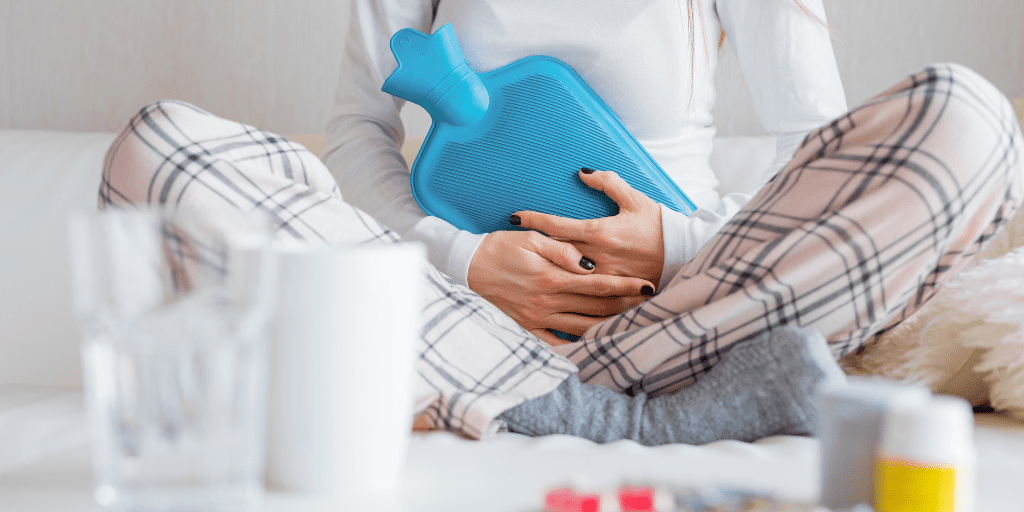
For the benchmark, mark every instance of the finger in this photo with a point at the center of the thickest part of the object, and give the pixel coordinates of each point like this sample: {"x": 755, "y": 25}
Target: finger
{"x": 553, "y": 225}
{"x": 422, "y": 423}
{"x": 599, "y": 306}
{"x": 603, "y": 285}
{"x": 573, "y": 323}
{"x": 547, "y": 337}
{"x": 590, "y": 305}
{"x": 563, "y": 254}
{"x": 616, "y": 188}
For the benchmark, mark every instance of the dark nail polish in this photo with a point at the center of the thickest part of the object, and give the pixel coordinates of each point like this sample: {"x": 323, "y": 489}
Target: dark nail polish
{"x": 514, "y": 220}
{"x": 586, "y": 263}
{"x": 586, "y": 170}
{"x": 647, "y": 291}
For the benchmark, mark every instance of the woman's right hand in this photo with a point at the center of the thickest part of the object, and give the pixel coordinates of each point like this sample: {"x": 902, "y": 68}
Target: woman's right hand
{"x": 543, "y": 283}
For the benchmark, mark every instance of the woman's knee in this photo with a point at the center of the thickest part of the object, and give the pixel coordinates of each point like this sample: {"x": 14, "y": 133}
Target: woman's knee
{"x": 970, "y": 82}
{"x": 967, "y": 98}
{"x": 169, "y": 110}
{"x": 141, "y": 149}
{"x": 978, "y": 135}
{"x": 962, "y": 112}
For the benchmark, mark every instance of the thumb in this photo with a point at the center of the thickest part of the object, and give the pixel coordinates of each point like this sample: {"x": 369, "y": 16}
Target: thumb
{"x": 616, "y": 188}
{"x": 547, "y": 337}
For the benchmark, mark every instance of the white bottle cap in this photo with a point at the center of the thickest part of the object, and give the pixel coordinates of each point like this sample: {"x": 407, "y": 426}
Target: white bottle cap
{"x": 939, "y": 431}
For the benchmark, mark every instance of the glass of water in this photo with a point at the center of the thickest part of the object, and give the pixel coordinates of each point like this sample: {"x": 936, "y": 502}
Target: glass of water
{"x": 173, "y": 312}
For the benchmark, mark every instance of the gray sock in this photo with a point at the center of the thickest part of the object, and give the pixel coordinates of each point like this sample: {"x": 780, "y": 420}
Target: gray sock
{"x": 761, "y": 387}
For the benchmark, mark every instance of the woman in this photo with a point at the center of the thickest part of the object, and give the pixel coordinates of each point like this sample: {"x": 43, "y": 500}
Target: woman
{"x": 847, "y": 238}
{"x": 652, "y": 62}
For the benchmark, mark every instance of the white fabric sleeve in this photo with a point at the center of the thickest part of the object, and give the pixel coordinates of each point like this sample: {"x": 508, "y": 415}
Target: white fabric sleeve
{"x": 364, "y": 135}
{"x": 787, "y": 61}
{"x": 685, "y": 235}
{"x": 786, "y": 58}
{"x": 453, "y": 248}
{"x": 786, "y": 145}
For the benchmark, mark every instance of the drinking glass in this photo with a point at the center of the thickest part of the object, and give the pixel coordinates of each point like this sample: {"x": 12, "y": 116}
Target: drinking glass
{"x": 173, "y": 311}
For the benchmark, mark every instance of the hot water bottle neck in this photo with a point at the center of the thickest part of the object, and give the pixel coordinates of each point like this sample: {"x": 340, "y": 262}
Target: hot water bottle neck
{"x": 514, "y": 138}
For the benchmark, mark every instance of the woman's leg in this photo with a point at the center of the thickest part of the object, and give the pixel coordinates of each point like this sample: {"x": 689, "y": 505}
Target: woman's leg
{"x": 474, "y": 362}
{"x": 177, "y": 156}
{"x": 761, "y": 387}
{"x": 873, "y": 213}
{"x": 773, "y": 265}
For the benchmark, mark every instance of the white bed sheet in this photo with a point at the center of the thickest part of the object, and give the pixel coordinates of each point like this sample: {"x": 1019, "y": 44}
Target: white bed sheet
{"x": 44, "y": 459}
{"x": 46, "y": 175}
{"x": 44, "y": 464}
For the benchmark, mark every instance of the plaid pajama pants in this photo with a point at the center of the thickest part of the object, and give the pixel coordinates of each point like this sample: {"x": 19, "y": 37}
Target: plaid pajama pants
{"x": 875, "y": 210}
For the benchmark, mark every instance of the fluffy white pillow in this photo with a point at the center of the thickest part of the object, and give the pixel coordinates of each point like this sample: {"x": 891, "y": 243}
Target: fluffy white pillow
{"x": 968, "y": 340}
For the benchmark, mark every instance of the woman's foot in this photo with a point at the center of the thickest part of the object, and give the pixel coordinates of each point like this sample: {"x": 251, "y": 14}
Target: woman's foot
{"x": 761, "y": 387}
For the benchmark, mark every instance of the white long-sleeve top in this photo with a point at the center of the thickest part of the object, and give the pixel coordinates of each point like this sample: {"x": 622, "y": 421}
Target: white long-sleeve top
{"x": 636, "y": 55}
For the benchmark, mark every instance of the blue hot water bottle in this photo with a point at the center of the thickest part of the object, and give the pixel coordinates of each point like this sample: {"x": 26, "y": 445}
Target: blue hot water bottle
{"x": 514, "y": 138}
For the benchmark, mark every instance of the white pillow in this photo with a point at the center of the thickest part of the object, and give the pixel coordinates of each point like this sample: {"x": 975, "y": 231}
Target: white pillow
{"x": 968, "y": 339}
{"x": 44, "y": 176}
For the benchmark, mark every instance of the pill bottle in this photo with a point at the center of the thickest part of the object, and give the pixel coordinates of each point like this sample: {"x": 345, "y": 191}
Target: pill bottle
{"x": 851, "y": 418}
{"x": 926, "y": 459}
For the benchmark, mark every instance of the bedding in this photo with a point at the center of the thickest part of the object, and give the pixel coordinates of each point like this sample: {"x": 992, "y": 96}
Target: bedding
{"x": 44, "y": 175}
{"x": 967, "y": 340}
{"x": 45, "y": 464}
{"x": 807, "y": 239}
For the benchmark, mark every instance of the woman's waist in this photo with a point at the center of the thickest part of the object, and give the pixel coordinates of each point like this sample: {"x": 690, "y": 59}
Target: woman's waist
{"x": 685, "y": 159}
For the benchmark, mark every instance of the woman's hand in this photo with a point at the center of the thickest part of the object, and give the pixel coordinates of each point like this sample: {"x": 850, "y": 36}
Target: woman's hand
{"x": 627, "y": 244}
{"x": 547, "y": 284}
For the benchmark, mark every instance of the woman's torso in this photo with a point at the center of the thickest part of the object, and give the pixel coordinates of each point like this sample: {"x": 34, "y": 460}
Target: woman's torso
{"x": 635, "y": 54}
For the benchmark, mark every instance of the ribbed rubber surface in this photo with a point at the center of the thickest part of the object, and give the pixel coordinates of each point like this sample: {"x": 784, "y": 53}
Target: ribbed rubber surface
{"x": 542, "y": 126}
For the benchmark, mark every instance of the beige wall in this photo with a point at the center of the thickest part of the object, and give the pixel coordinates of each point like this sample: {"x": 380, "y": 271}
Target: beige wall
{"x": 878, "y": 42}
{"x": 89, "y": 64}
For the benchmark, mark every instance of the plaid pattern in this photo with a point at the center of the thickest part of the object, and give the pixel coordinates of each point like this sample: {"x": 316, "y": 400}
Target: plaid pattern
{"x": 874, "y": 211}
{"x": 474, "y": 362}
{"x": 185, "y": 255}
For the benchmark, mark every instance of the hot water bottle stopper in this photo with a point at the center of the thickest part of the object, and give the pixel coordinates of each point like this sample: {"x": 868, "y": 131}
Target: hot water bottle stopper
{"x": 513, "y": 138}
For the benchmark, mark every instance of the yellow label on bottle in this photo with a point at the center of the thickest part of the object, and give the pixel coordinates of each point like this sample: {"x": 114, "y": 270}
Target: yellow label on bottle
{"x": 907, "y": 487}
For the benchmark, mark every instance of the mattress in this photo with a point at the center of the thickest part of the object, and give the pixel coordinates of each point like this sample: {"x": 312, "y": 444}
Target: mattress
{"x": 45, "y": 465}
{"x": 46, "y": 175}
{"x": 44, "y": 450}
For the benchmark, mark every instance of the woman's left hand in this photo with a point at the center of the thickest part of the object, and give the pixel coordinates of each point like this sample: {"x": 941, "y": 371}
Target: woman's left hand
{"x": 627, "y": 244}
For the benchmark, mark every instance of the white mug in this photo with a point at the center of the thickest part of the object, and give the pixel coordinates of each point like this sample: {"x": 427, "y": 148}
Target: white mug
{"x": 341, "y": 370}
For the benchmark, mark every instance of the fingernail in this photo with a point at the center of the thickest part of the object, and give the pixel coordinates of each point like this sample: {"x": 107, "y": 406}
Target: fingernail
{"x": 586, "y": 170}
{"x": 647, "y": 291}
{"x": 514, "y": 220}
{"x": 586, "y": 263}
